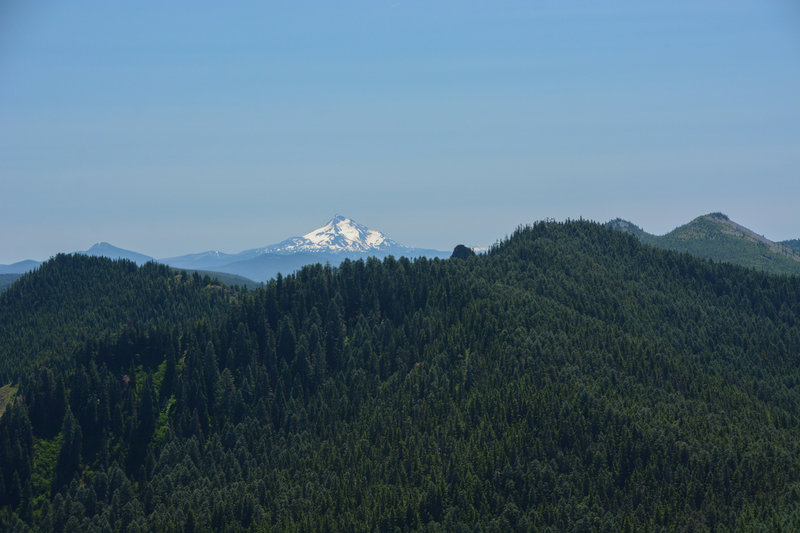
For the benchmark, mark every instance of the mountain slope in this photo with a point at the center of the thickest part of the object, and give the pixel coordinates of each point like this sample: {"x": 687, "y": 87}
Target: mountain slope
{"x": 571, "y": 378}
{"x": 200, "y": 261}
{"x": 794, "y": 244}
{"x": 47, "y": 313}
{"x": 100, "y": 249}
{"x": 103, "y": 249}
{"x": 267, "y": 266}
{"x": 20, "y": 267}
{"x": 715, "y": 236}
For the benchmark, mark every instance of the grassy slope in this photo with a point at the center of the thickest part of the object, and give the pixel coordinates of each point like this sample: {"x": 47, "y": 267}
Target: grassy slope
{"x": 7, "y": 393}
{"x": 716, "y": 237}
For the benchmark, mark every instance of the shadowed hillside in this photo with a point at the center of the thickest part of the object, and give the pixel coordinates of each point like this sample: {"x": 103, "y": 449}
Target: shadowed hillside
{"x": 69, "y": 299}
{"x": 570, "y": 378}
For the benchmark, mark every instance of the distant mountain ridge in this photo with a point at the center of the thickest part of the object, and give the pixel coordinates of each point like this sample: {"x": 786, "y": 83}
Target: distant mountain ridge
{"x": 6, "y": 280}
{"x": 100, "y": 249}
{"x": 715, "y": 236}
{"x": 10, "y": 273}
{"x": 20, "y": 267}
{"x": 339, "y": 239}
{"x": 103, "y": 249}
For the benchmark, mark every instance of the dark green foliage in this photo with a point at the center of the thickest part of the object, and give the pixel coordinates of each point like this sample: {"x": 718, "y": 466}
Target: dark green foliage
{"x": 462, "y": 252}
{"x": 232, "y": 280}
{"x": 571, "y": 378}
{"x": 47, "y": 401}
{"x": 70, "y": 299}
{"x": 16, "y": 455}
{"x": 69, "y": 457}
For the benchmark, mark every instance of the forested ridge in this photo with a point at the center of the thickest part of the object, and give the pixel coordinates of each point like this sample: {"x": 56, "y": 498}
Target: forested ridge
{"x": 571, "y": 378}
{"x": 72, "y": 298}
{"x": 716, "y": 237}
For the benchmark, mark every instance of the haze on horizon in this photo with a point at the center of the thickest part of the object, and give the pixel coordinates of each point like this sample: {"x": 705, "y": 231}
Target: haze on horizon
{"x": 182, "y": 127}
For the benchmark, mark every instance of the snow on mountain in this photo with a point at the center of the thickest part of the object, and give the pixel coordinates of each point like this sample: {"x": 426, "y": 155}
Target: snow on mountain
{"x": 340, "y": 234}
{"x": 341, "y": 238}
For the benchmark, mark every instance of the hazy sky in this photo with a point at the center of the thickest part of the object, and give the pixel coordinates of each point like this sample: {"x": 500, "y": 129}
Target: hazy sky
{"x": 176, "y": 127}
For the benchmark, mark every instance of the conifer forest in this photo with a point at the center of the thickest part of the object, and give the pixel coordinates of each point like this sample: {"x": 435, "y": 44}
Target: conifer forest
{"x": 569, "y": 379}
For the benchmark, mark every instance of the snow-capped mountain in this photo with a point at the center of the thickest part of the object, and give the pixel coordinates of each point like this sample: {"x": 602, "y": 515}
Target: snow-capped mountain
{"x": 340, "y": 234}
{"x": 341, "y": 238}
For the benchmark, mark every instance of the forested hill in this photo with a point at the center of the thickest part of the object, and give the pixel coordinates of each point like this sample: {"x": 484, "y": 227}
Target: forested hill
{"x": 570, "y": 378}
{"x": 794, "y": 244}
{"x": 715, "y": 236}
{"x": 73, "y": 298}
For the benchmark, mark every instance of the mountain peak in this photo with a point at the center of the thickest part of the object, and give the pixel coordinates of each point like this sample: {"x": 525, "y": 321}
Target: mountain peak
{"x": 98, "y": 246}
{"x": 104, "y": 249}
{"x": 715, "y": 236}
{"x": 343, "y": 234}
{"x": 340, "y": 234}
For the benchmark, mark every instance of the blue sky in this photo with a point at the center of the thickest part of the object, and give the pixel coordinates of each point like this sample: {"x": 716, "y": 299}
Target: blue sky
{"x": 177, "y": 127}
